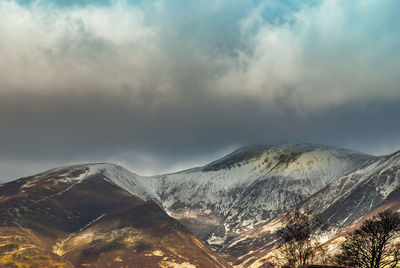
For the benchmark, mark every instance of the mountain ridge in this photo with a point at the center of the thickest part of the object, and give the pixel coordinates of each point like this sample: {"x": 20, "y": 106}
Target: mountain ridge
{"x": 223, "y": 198}
{"x": 231, "y": 203}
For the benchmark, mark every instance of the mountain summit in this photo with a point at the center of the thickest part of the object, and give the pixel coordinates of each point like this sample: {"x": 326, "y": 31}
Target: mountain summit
{"x": 250, "y": 186}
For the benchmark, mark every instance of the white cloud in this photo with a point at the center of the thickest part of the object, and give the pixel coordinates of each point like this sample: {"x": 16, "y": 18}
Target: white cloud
{"x": 323, "y": 56}
{"x": 46, "y": 48}
{"x": 309, "y": 58}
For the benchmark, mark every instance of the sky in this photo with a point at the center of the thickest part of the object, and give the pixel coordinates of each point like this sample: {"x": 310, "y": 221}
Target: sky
{"x": 159, "y": 86}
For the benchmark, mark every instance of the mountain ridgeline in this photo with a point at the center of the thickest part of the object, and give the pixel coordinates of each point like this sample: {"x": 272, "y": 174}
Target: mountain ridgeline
{"x": 250, "y": 186}
{"x": 224, "y": 213}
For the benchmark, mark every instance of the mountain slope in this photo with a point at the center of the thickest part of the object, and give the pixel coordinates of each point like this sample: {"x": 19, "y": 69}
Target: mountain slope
{"x": 342, "y": 206}
{"x": 79, "y": 216}
{"x": 250, "y": 186}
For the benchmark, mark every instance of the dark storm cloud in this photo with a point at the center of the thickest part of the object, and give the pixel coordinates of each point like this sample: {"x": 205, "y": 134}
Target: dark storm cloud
{"x": 159, "y": 86}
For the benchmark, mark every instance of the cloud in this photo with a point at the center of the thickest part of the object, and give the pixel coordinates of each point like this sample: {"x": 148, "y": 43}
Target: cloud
{"x": 303, "y": 56}
{"x": 158, "y": 85}
{"x": 51, "y": 49}
{"x": 319, "y": 56}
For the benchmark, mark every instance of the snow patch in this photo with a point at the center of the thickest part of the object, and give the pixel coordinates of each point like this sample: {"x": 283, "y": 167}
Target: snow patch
{"x": 216, "y": 240}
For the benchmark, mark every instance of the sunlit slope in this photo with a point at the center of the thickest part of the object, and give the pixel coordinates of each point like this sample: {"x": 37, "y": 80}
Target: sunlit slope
{"x": 77, "y": 216}
{"x": 341, "y": 206}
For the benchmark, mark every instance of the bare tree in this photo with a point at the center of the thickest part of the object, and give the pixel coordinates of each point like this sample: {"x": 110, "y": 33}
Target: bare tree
{"x": 374, "y": 244}
{"x": 299, "y": 242}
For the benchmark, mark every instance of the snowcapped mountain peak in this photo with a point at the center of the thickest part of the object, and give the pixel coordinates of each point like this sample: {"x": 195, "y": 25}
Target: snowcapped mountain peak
{"x": 126, "y": 180}
{"x": 292, "y": 159}
{"x": 250, "y": 186}
{"x": 73, "y": 171}
{"x": 109, "y": 167}
{"x": 112, "y": 173}
{"x": 239, "y": 157}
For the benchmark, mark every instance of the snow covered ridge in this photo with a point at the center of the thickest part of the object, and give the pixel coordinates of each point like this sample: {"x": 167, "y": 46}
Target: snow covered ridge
{"x": 251, "y": 186}
{"x": 235, "y": 193}
{"x": 232, "y": 204}
{"x": 114, "y": 174}
{"x": 352, "y": 196}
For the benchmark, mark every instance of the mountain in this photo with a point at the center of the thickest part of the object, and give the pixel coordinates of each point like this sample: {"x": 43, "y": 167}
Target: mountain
{"x": 103, "y": 214}
{"x": 79, "y": 216}
{"x": 342, "y": 206}
{"x": 249, "y": 187}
